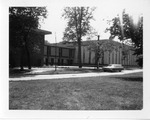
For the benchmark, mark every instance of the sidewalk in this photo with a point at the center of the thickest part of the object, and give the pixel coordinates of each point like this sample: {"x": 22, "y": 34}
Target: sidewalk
{"x": 59, "y": 76}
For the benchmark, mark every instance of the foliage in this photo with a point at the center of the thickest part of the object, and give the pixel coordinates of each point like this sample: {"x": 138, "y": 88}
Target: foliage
{"x": 78, "y": 22}
{"x": 126, "y": 27}
{"x": 22, "y": 20}
{"x": 140, "y": 60}
{"x": 99, "y": 47}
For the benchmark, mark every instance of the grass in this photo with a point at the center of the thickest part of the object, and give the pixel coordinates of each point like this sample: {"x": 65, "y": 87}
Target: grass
{"x": 121, "y": 92}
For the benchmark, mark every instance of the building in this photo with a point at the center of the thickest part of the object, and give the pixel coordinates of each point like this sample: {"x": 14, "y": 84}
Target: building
{"x": 58, "y": 54}
{"x": 67, "y": 54}
{"x": 43, "y": 53}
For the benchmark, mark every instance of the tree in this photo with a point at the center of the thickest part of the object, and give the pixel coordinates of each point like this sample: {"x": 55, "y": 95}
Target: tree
{"x": 127, "y": 27}
{"x": 78, "y": 25}
{"x": 21, "y": 21}
{"x": 99, "y": 47}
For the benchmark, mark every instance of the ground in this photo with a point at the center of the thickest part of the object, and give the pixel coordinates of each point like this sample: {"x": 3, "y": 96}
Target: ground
{"x": 15, "y": 72}
{"x": 119, "y": 92}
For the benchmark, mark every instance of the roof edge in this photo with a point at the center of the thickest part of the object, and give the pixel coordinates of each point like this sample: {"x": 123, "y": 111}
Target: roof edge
{"x": 44, "y": 32}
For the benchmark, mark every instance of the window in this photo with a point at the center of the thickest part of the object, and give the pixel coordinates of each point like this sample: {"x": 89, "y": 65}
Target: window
{"x": 65, "y": 52}
{"x": 71, "y": 53}
{"x": 54, "y": 51}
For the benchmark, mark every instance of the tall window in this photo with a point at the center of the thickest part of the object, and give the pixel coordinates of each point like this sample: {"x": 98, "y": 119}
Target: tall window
{"x": 54, "y": 50}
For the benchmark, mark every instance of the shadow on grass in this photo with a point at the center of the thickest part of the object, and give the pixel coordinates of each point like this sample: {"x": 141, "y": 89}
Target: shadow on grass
{"x": 19, "y": 73}
{"x": 132, "y": 79}
{"x": 132, "y": 107}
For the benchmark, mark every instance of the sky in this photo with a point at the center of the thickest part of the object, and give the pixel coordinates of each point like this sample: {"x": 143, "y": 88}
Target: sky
{"x": 105, "y": 9}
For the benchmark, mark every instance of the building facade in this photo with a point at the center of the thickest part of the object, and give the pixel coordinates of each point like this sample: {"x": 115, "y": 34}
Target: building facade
{"x": 115, "y": 56}
{"x": 67, "y": 54}
{"x": 58, "y": 55}
{"x": 42, "y": 53}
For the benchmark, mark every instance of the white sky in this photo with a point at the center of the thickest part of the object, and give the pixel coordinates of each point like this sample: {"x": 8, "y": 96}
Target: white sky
{"x": 106, "y": 9}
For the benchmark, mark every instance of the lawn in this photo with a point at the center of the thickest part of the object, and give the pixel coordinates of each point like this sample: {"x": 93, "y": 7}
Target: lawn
{"x": 121, "y": 92}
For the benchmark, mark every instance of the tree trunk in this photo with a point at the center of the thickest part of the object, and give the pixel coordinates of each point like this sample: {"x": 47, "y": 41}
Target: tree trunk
{"x": 97, "y": 63}
{"x": 79, "y": 53}
{"x": 97, "y": 60}
{"x": 89, "y": 57}
{"x": 103, "y": 58}
{"x": 27, "y": 50}
{"x": 28, "y": 57}
{"x": 109, "y": 57}
{"x": 79, "y": 34}
{"x": 21, "y": 60}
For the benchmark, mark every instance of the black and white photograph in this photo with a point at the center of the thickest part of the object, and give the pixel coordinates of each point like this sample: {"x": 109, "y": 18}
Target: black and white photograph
{"x": 85, "y": 57}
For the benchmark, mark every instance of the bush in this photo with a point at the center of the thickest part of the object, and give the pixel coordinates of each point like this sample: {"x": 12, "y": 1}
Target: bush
{"x": 140, "y": 60}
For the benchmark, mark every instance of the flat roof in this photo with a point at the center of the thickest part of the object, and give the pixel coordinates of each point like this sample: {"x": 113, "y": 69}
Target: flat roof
{"x": 40, "y": 31}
